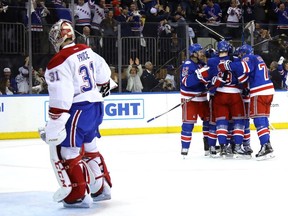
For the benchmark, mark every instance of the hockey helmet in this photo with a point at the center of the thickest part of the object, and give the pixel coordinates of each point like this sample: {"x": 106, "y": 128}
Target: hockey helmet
{"x": 223, "y": 46}
{"x": 60, "y": 32}
{"x": 195, "y": 48}
{"x": 246, "y": 49}
{"x": 210, "y": 53}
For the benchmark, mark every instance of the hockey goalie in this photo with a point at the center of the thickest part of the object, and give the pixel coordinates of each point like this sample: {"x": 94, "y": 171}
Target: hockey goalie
{"x": 78, "y": 79}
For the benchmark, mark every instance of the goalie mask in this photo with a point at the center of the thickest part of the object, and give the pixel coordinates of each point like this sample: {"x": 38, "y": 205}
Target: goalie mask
{"x": 60, "y": 32}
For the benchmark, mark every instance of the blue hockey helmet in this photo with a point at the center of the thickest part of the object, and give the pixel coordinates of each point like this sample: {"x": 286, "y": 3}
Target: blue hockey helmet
{"x": 223, "y": 46}
{"x": 246, "y": 49}
{"x": 195, "y": 48}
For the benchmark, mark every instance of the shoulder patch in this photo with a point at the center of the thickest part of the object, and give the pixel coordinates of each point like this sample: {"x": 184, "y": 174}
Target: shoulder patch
{"x": 187, "y": 62}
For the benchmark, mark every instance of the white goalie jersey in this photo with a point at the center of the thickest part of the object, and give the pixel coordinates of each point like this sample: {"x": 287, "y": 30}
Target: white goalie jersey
{"x": 73, "y": 74}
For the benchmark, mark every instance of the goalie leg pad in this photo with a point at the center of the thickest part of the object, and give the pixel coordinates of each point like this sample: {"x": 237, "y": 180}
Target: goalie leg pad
{"x": 101, "y": 187}
{"x": 71, "y": 174}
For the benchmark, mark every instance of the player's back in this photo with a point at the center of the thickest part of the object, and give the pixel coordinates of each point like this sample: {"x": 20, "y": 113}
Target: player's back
{"x": 259, "y": 80}
{"x": 73, "y": 75}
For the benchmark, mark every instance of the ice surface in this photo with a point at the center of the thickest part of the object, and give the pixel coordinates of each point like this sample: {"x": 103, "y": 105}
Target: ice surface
{"x": 150, "y": 177}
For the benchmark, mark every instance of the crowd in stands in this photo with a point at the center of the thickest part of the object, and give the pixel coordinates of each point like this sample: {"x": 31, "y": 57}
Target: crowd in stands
{"x": 96, "y": 22}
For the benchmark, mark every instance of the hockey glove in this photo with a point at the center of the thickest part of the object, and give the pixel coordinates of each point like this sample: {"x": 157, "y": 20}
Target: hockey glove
{"x": 55, "y": 132}
{"x": 280, "y": 62}
{"x": 245, "y": 92}
{"x": 105, "y": 89}
{"x": 224, "y": 66}
{"x": 218, "y": 81}
{"x": 202, "y": 73}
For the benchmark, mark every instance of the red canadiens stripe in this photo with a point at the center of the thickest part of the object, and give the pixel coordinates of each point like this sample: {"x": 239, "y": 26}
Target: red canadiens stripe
{"x": 267, "y": 87}
{"x": 60, "y": 57}
{"x": 246, "y": 136}
{"x": 55, "y": 113}
{"x": 73, "y": 128}
{"x": 222, "y": 132}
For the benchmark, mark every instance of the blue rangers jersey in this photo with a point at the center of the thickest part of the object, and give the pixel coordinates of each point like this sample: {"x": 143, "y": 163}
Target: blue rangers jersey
{"x": 231, "y": 85}
{"x": 255, "y": 68}
{"x": 190, "y": 85}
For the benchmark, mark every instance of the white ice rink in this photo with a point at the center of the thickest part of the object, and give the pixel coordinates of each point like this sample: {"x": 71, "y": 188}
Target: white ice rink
{"x": 150, "y": 178}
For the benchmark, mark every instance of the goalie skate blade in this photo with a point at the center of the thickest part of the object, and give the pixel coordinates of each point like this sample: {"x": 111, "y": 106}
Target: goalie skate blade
{"x": 265, "y": 157}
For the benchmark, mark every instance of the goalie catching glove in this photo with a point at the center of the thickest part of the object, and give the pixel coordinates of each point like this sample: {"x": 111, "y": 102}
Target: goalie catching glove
{"x": 55, "y": 133}
{"x": 105, "y": 89}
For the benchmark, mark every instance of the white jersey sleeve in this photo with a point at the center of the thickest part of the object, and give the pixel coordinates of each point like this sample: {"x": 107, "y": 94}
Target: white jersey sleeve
{"x": 72, "y": 76}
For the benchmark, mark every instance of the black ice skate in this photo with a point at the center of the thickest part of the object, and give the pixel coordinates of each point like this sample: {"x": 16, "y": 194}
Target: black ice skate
{"x": 248, "y": 149}
{"x": 240, "y": 153}
{"x": 184, "y": 151}
{"x": 266, "y": 152}
{"x": 206, "y": 146}
{"x": 213, "y": 152}
{"x": 223, "y": 151}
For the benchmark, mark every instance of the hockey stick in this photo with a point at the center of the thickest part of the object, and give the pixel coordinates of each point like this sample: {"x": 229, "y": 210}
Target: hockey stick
{"x": 267, "y": 40}
{"x": 211, "y": 30}
{"x": 178, "y": 105}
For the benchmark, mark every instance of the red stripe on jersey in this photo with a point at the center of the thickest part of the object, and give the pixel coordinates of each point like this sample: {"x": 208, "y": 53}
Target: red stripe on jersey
{"x": 263, "y": 88}
{"x": 245, "y": 67}
{"x": 63, "y": 54}
{"x": 74, "y": 127}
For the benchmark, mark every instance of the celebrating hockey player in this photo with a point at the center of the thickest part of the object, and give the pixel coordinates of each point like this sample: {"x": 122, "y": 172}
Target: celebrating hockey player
{"x": 77, "y": 79}
{"x": 227, "y": 103}
{"x": 261, "y": 93}
{"x": 192, "y": 87}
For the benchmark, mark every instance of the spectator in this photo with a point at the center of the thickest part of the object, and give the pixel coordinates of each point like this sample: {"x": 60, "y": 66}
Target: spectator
{"x": 5, "y": 87}
{"x": 170, "y": 76}
{"x": 261, "y": 34}
{"x": 61, "y": 10}
{"x": 275, "y": 75}
{"x": 148, "y": 79}
{"x": 283, "y": 71}
{"x": 82, "y": 16}
{"x": 133, "y": 74}
{"x": 124, "y": 19}
{"x": 213, "y": 15}
{"x": 282, "y": 19}
{"x": 87, "y": 39}
{"x": 233, "y": 20}
{"x": 108, "y": 27}
{"x": 98, "y": 11}
{"x": 39, "y": 83}
{"x": 22, "y": 78}
{"x": 8, "y": 75}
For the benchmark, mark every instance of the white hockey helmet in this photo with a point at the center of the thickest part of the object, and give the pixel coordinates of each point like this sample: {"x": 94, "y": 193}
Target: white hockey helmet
{"x": 59, "y": 32}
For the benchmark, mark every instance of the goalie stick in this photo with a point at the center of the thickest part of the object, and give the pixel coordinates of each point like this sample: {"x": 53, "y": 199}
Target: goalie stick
{"x": 178, "y": 105}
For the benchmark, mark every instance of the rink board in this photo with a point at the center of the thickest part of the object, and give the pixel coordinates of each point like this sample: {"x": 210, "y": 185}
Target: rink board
{"x": 20, "y": 116}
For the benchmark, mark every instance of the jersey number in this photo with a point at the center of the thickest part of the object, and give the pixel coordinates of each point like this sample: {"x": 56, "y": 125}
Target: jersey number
{"x": 86, "y": 73}
{"x": 264, "y": 67}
